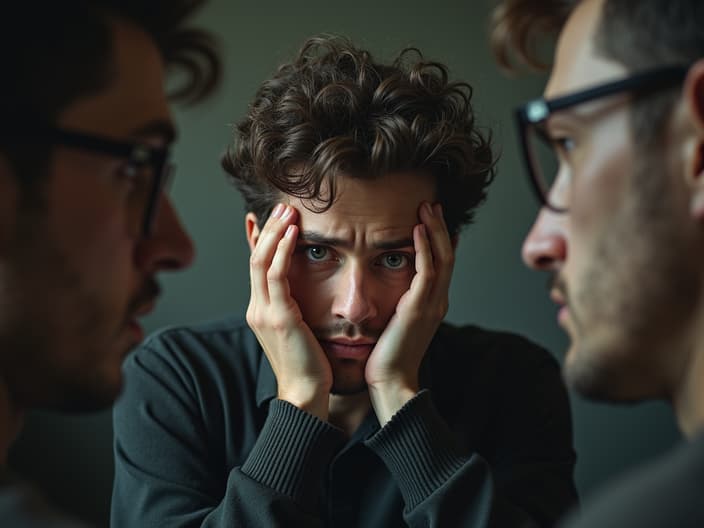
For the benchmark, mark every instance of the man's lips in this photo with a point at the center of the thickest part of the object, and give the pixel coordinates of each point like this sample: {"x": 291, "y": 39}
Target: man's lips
{"x": 557, "y": 297}
{"x": 133, "y": 323}
{"x": 348, "y": 348}
{"x": 564, "y": 312}
{"x": 145, "y": 308}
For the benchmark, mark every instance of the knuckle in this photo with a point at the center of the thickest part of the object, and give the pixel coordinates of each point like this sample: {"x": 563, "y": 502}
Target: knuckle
{"x": 279, "y": 323}
{"x": 255, "y": 261}
{"x": 252, "y": 318}
{"x": 275, "y": 274}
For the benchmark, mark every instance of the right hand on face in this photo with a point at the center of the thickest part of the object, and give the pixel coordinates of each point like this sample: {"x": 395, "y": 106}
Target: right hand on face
{"x": 302, "y": 370}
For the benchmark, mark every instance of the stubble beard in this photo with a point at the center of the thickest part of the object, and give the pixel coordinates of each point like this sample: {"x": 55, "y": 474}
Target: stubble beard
{"x": 36, "y": 282}
{"x": 634, "y": 294}
{"x": 345, "y": 383}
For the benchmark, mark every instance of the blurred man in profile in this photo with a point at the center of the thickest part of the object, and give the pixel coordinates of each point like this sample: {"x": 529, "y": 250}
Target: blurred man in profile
{"x": 85, "y": 227}
{"x": 621, "y": 227}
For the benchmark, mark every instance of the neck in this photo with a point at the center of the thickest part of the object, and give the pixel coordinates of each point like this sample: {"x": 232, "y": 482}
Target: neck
{"x": 348, "y": 412}
{"x": 11, "y": 419}
{"x": 688, "y": 398}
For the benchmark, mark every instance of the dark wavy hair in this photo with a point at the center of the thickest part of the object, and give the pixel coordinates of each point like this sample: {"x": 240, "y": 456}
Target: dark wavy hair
{"x": 55, "y": 52}
{"x": 639, "y": 34}
{"x": 335, "y": 112}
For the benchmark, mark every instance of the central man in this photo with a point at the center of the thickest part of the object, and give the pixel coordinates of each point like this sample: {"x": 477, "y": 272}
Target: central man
{"x": 344, "y": 400}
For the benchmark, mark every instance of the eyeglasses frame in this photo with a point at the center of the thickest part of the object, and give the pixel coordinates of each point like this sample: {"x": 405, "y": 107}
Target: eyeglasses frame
{"x": 539, "y": 110}
{"x": 138, "y": 154}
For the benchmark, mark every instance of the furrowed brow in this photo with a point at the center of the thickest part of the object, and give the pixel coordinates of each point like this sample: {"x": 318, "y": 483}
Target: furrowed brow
{"x": 318, "y": 238}
{"x": 394, "y": 244}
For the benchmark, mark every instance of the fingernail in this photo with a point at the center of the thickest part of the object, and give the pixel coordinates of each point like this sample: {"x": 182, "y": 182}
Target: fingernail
{"x": 428, "y": 209}
{"x": 287, "y": 211}
{"x": 277, "y": 211}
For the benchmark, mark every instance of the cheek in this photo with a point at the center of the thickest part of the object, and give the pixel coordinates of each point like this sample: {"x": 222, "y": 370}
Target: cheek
{"x": 311, "y": 290}
{"x": 108, "y": 251}
{"x": 101, "y": 257}
{"x": 603, "y": 169}
{"x": 389, "y": 288}
{"x": 93, "y": 226}
{"x": 600, "y": 191}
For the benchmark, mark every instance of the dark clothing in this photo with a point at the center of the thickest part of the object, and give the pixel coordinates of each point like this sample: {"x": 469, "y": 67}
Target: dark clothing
{"x": 201, "y": 440}
{"x": 22, "y": 507}
{"x": 667, "y": 492}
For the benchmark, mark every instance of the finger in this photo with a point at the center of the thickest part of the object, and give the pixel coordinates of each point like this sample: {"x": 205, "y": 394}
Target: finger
{"x": 440, "y": 244}
{"x": 439, "y": 236}
{"x": 277, "y": 276}
{"x": 260, "y": 261}
{"x": 422, "y": 282}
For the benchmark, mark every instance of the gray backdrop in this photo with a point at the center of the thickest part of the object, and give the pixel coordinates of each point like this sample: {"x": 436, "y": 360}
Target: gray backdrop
{"x": 71, "y": 457}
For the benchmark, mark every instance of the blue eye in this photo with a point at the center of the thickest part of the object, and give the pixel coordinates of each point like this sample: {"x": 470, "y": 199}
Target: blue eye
{"x": 395, "y": 261}
{"x": 564, "y": 144}
{"x": 317, "y": 253}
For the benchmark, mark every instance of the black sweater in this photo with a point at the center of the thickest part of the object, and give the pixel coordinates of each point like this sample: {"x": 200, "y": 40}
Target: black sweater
{"x": 201, "y": 440}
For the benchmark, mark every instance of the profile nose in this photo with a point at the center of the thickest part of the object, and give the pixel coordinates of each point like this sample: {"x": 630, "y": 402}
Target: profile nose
{"x": 169, "y": 247}
{"x": 545, "y": 246}
{"x": 354, "y": 297}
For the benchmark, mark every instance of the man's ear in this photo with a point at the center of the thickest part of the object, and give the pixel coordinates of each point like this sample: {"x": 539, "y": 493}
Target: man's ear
{"x": 693, "y": 94}
{"x": 251, "y": 229}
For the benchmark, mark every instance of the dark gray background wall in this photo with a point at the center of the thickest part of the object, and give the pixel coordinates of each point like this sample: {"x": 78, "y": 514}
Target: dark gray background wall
{"x": 71, "y": 457}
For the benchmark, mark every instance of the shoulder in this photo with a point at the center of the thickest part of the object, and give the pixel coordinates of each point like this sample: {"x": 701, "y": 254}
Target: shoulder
{"x": 666, "y": 492}
{"x": 216, "y": 337}
{"x": 491, "y": 347}
{"x": 502, "y": 367}
{"x": 203, "y": 353}
{"x": 227, "y": 331}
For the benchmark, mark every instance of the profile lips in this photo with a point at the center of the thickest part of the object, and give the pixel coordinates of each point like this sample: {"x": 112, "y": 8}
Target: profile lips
{"x": 557, "y": 297}
{"x": 145, "y": 309}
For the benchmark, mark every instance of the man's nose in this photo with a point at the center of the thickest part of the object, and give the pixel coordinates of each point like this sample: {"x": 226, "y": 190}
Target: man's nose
{"x": 354, "y": 298}
{"x": 545, "y": 246}
{"x": 169, "y": 247}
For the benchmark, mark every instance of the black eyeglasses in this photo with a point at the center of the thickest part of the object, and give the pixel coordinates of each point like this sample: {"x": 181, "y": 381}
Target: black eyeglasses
{"x": 139, "y": 156}
{"x": 541, "y": 152}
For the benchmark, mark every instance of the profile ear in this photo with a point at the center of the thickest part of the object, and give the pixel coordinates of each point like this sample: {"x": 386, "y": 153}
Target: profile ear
{"x": 251, "y": 227}
{"x": 693, "y": 93}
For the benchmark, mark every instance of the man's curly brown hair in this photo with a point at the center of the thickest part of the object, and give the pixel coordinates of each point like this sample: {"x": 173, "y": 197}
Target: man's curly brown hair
{"x": 334, "y": 111}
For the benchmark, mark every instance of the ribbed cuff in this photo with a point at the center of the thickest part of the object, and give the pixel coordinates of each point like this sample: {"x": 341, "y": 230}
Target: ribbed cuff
{"x": 418, "y": 448}
{"x": 292, "y": 452}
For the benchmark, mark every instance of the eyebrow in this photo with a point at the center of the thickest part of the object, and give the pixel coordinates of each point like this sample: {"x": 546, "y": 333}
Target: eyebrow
{"x": 158, "y": 127}
{"x": 318, "y": 238}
